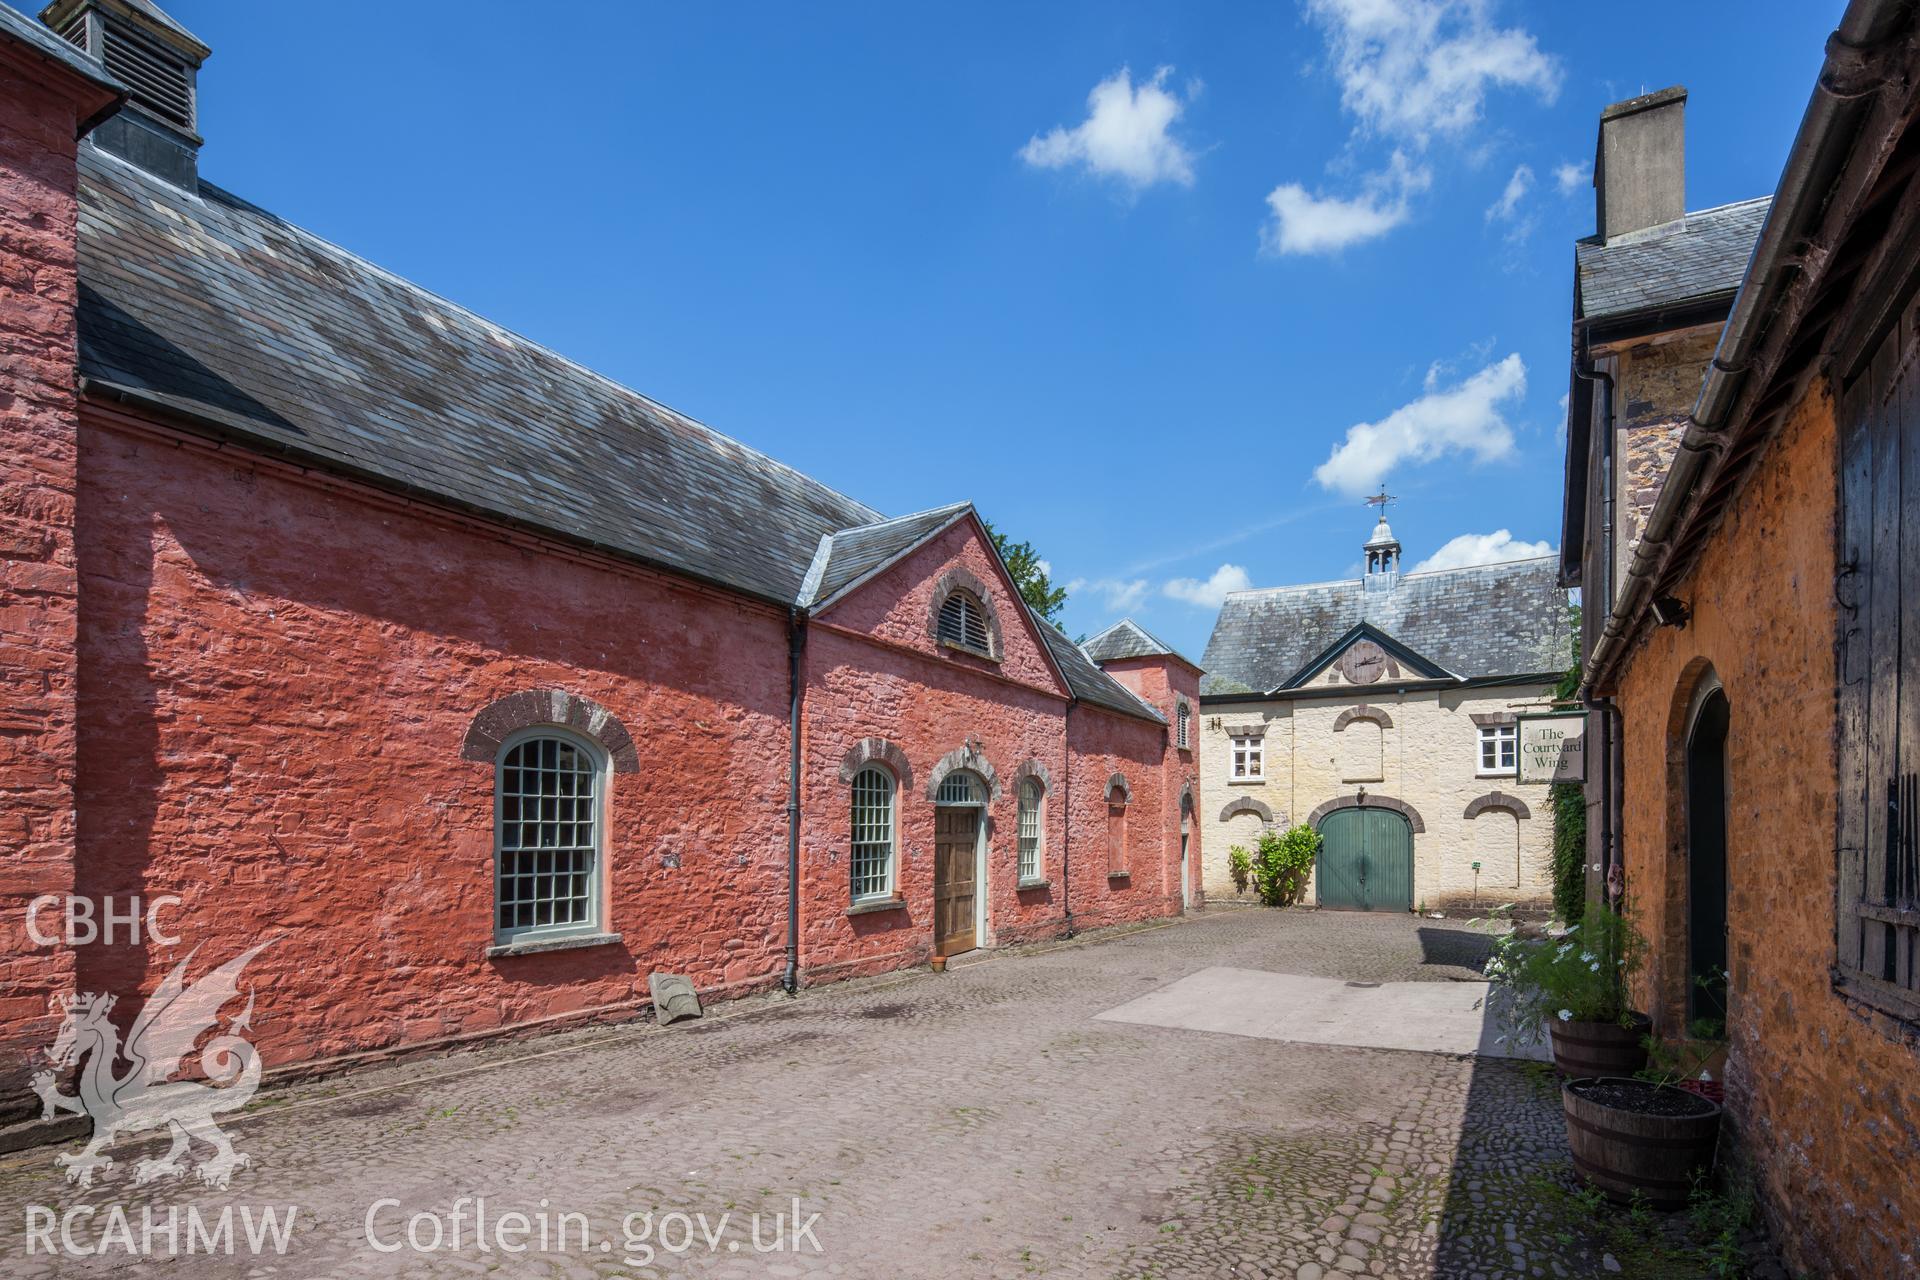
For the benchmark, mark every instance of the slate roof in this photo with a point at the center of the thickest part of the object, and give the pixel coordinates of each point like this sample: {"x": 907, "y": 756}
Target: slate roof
{"x": 1128, "y": 639}
{"x": 1087, "y": 681}
{"x": 208, "y": 305}
{"x": 1702, "y": 256}
{"x": 846, "y": 556}
{"x": 1487, "y": 620}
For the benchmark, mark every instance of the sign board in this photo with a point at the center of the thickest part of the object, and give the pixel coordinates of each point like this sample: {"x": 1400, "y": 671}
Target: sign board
{"x": 1553, "y": 748}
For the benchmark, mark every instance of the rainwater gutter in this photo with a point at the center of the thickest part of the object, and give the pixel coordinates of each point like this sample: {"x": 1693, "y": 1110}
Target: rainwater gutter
{"x": 1848, "y": 79}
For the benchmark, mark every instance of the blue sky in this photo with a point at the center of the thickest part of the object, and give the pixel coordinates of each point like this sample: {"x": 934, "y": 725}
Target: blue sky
{"x": 1126, "y": 275}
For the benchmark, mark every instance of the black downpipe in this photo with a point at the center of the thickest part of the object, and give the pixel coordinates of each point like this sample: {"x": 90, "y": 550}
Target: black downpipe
{"x": 1608, "y": 713}
{"x": 1066, "y": 827}
{"x": 796, "y": 641}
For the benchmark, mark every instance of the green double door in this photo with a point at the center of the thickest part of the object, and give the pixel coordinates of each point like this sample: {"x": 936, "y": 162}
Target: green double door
{"x": 1366, "y": 861}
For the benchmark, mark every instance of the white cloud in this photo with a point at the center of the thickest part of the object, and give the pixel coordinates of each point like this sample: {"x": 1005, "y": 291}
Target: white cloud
{"x": 1120, "y": 595}
{"x": 1504, "y": 209}
{"x": 1045, "y": 567}
{"x": 1482, "y": 548}
{"x": 1209, "y": 594}
{"x": 1413, "y": 69}
{"x": 1126, "y": 134}
{"x": 1409, "y": 71}
{"x": 1305, "y": 223}
{"x": 1465, "y": 418}
{"x": 1571, "y": 177}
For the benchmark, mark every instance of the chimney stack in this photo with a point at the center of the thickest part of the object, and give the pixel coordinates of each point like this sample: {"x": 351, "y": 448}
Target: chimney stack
{"x": 1640, "y": 164}
{"x": 159, "y": 61}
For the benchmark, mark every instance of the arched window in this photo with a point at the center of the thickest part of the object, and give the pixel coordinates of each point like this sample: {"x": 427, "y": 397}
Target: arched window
{"x": 1116, "y": 834}
{"x": 872, "y": 834}
{"x": 1029, "y": 829}
{"x": 963, "y": 622}
{"x": 1180, "y": 717}
{"x": 548, "y": 833}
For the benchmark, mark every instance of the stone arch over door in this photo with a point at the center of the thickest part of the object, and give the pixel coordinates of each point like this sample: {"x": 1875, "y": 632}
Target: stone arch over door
{"x": 532, "y": 708}
{"x": 1360, "y": 800}
{"x": 969, "y": 757}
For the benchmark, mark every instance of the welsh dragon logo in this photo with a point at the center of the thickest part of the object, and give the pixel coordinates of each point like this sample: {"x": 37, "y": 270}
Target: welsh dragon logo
{"x": 144, "y": 1096}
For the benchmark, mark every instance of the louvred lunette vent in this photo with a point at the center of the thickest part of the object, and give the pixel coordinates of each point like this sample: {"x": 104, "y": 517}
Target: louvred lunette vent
{"x": 964, "y": 622}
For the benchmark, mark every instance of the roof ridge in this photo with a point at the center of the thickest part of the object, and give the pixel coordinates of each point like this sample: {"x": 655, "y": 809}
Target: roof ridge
{"x": 515, "y": 335}
{"x": 1423, "y": 573}
{"x": 951, "y": 508}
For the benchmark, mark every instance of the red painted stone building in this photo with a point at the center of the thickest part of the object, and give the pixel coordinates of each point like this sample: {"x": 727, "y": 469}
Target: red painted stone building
{"x": 480, "y": 685}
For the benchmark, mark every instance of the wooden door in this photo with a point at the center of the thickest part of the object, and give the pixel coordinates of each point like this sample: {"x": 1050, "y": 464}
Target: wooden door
{"x": 1366, "y": 861}
{"x": 955, "y": 841}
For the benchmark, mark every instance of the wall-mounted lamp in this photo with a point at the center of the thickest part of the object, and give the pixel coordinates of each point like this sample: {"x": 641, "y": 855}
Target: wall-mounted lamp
{"x": 1669, "y": 611}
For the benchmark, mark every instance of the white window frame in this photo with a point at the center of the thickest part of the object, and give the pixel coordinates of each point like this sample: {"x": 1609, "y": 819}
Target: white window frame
{"x": 1247, "y": 758}
{"x": 1502, "y": 742}
{"x": 602, "y": 774}
{"x": 1183, "y": 735}
{"x": 855, "y": 844}
{"x": 1030, "y": 826}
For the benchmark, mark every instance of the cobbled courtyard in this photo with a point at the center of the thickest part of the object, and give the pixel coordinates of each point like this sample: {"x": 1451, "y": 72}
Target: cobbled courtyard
{"x": 980, "y": 1122}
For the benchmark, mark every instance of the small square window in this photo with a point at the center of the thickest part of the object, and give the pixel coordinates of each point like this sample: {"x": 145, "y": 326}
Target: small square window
{"x": 1249, "y": 759}
{"x": 1498, "y": 749}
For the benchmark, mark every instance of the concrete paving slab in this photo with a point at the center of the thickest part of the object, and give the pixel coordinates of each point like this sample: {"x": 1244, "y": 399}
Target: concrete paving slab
{"x": 1434, "y": 1017}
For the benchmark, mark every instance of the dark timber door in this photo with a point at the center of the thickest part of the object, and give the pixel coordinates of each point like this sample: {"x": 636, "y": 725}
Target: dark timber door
{"x": 1366, "y": 861}
{"x": 955, "y": 837}
{"x": 1707, "y": 860}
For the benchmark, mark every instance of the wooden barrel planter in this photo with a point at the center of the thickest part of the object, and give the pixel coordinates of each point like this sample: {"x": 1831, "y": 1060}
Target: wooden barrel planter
{"x": 1582, "y": 1049}
{"x": 1632, "y": 1137}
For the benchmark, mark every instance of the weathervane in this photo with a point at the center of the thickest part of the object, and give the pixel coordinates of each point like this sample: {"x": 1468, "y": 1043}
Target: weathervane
{"x": 1380, "y": 500}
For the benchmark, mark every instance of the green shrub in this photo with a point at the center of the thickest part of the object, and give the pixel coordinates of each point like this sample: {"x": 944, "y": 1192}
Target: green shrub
{"x": 1569, "y": 803}
{"x": 1240, "y": 866}
{"x": 1282, "y": 864}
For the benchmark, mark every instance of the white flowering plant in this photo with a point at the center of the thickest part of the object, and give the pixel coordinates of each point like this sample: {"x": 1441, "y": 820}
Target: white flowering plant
{"x": 1582, "y": 975}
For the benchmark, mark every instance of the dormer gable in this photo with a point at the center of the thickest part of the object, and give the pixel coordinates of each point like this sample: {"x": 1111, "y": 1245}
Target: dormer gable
{"x": 1365, "y": 656}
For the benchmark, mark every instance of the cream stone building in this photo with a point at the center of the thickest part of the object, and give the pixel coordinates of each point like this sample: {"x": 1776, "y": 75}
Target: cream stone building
{"x": 1381, "y": 711}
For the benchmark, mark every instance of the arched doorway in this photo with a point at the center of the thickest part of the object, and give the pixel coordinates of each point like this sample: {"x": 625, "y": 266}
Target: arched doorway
{"x": 1366, "y": 860}
{"x": 1706, "y": 791}
{"x": 959, "y": 822}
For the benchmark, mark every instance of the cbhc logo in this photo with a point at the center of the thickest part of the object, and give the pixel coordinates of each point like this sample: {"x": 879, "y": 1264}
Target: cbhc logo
{"x": 81, "y": 924}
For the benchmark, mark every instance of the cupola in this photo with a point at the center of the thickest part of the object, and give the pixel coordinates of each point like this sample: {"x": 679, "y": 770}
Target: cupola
{"x": 1382, "y": 548}
{"x": 159, "y": 62}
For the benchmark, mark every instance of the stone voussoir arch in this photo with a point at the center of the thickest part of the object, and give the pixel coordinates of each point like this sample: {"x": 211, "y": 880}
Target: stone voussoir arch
{"x": 1498, "y": 800}
{"x": 1035, "y": 769}
{"x": 968, "y": 757}
{"x": 870, "y": 750}
{"x": 1362, "y": 712}
{"x": 1246, "y": 804}
{"x": 959, "y": 577}
{"x": 1361, "y": 800}
{"x": 1118, "y": 782}
{"x": 537, "y": 708}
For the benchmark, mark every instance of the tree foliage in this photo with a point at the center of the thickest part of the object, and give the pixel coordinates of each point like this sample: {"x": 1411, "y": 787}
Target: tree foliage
{"x": 1029, "y": 572}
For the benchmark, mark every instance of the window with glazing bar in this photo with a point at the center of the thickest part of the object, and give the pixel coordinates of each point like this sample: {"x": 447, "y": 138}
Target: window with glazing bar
{"x": 872, "y": 834}
{"x": 547, "y": 837}
{"x": 1029, "y": 829}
